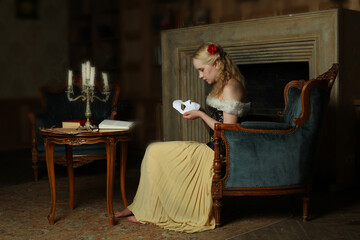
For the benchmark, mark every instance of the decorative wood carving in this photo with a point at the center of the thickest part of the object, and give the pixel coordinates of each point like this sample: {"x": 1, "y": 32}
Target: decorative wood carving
{"x": 325, "y": 81}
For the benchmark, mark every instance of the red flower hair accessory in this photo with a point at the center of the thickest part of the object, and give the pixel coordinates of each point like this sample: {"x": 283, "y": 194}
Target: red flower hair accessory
{"x": 212, "y": 49}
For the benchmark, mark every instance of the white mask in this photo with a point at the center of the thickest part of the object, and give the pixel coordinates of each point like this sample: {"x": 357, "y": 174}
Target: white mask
{"x": 184, "y": 107}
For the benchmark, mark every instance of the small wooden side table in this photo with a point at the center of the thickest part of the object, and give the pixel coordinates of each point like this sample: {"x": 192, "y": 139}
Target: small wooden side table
{"x": 71, "y": 137}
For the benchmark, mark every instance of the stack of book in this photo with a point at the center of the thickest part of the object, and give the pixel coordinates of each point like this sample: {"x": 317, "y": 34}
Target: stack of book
{"x": 115, "y": 125}
{"x": 106, "y": 124}
{"x": 75, "y": 123}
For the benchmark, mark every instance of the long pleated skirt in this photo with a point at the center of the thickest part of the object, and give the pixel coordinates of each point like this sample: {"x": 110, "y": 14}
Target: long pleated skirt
{"x": 174, "y": 191}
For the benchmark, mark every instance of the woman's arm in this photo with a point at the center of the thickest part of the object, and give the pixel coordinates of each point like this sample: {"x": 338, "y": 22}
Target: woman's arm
{"x": 232, "y": 91}
{"x": 194, "y": 114}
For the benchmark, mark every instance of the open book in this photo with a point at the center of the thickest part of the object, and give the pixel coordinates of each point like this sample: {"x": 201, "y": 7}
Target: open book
{"x": 115, "y": 124}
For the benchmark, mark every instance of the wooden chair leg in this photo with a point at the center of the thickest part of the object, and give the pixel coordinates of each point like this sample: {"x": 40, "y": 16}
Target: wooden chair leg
{"x": 35, "y": 166}
{"x": 306, "y": 200}
{"x": 217, "y": 205}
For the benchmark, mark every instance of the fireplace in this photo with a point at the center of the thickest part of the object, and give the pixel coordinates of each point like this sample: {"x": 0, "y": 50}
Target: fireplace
{"x": 265, "y": 84}
{"x": 309, "y": 41}
{"x": 259, "y": 42}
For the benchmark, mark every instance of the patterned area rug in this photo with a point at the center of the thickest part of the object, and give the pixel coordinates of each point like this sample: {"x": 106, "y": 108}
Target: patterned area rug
{"x": 24, "y": 208}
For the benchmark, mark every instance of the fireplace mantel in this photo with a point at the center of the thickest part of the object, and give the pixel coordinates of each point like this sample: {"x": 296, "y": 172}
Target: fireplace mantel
{"x": 320, "y": 38}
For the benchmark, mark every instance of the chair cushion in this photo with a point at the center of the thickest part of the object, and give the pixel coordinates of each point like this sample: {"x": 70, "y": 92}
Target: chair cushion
{"x": 266, "y": 125}
{"x": 275, "y": 159}
{"x": 264, "y": 159}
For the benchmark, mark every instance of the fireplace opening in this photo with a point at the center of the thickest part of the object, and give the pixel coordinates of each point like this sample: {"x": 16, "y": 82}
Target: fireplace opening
{"x": 265, "y": 84}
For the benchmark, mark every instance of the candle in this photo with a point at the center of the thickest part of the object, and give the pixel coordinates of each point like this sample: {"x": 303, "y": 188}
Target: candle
{"x": 70, "y": 78}
{"x": 88, "y": 69}
{"x": 92, "y": 76}
{"x": 106, "y": 82}
{"x": 83, "y": 73}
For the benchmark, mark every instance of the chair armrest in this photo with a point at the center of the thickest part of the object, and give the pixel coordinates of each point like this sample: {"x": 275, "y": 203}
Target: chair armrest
{"x": 113, "y": 114}
{"x": 38, "y": 120}
{"x": 262, "y": 155}
{"x": 43, "y": 120}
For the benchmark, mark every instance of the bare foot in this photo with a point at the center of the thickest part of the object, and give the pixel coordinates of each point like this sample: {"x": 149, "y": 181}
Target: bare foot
{"x": 124, "y": 213}
{"x": 133, "y": 219}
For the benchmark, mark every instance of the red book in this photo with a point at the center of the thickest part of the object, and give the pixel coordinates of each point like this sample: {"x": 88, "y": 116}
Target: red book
{"x": 75, "y": 123}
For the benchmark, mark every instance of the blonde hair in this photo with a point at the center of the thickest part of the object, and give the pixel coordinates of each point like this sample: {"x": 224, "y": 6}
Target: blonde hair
{"x": 227, "y": 68}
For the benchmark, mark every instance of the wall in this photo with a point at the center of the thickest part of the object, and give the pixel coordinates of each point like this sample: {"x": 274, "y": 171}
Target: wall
{"x": 240, "y": 10}
{"x": 34, "y": 52}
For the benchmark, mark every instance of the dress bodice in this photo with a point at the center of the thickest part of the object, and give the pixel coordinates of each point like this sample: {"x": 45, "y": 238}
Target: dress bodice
{"x": 218, "y": 116}
{"x": 216, "y": 109}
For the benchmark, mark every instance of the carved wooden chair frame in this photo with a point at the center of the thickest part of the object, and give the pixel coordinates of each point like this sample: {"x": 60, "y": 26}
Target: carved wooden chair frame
{"x": 218, "y": 185}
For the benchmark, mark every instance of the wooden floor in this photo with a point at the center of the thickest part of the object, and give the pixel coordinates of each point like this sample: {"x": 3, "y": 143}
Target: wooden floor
{"x": 333, "y": 215}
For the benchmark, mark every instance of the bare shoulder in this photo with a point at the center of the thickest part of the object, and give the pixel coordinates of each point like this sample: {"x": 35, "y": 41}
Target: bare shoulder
{"x": 233, "y": 90}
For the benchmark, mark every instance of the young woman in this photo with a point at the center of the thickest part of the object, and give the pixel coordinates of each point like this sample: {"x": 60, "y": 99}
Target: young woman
{"x": 175, "y": 184}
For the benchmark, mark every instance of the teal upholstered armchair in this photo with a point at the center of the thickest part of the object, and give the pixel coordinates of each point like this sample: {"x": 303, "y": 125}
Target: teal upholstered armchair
{"x": 56, "y": 109}
{"x": 273, "y": 158}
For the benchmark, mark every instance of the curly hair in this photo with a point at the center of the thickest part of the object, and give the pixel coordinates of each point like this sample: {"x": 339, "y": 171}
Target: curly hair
{"x": 227, "y": 68}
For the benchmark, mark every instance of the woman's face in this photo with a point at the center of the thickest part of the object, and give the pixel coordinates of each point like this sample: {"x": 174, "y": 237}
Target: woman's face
{"x": 206, "y": 72}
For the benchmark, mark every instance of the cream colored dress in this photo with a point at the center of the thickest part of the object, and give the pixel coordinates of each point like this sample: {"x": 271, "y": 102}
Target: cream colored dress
{"x": 175, "y": 187}
{"x": 175, "y": 184}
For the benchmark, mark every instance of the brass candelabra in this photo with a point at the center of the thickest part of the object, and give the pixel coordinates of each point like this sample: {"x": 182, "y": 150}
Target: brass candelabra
{"x": 88, "y": 92}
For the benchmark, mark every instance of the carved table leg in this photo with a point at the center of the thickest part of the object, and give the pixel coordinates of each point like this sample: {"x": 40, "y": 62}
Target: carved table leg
{"x": 123, "y": 160}
{"x": 110, "y": 153}
{"x": 49, "y": 151}
{"x": 70, "y": 170}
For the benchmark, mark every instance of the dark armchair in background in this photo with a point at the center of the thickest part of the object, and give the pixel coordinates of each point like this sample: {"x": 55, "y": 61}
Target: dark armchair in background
{"x": 56, "y": 109}
{"x": 274, "y": 158}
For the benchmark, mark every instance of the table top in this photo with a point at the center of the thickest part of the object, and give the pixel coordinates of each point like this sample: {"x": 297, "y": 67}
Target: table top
{"x": 58, "y": 132}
